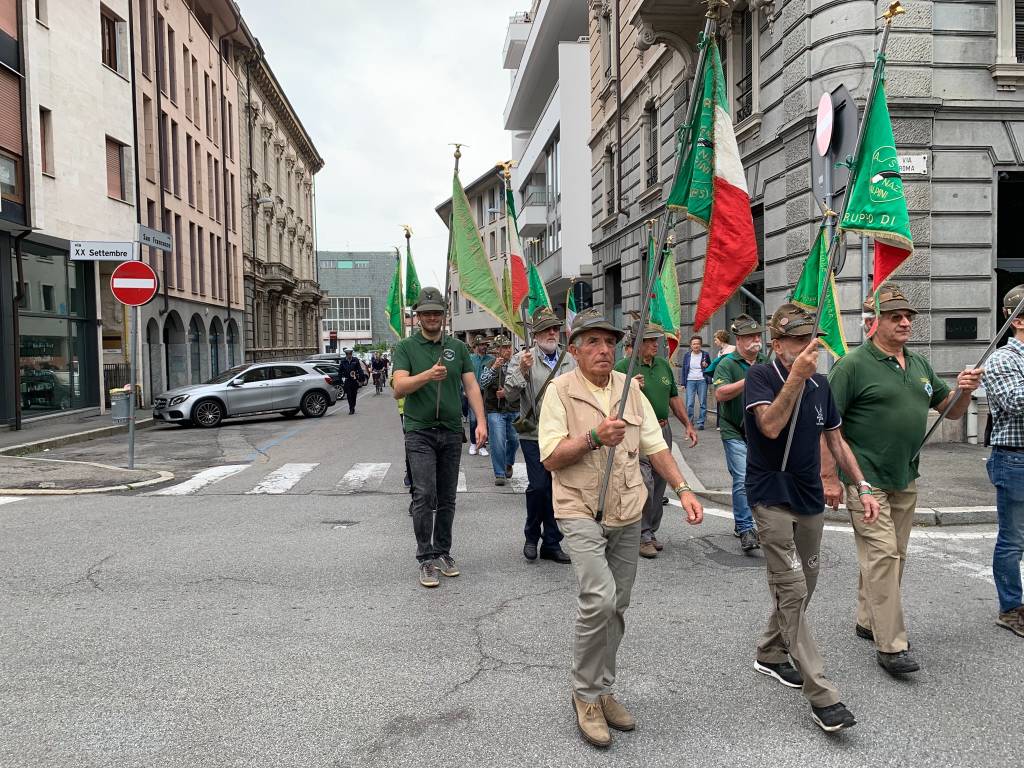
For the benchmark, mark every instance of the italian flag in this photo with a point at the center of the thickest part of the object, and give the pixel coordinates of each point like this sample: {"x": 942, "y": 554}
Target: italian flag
{"x": 570, "y": 305}
{"x": 520, "y": 286}
{"x": 711, "y": 188}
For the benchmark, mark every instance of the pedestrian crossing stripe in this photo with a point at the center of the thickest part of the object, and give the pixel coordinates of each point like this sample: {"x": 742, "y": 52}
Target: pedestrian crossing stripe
{"x": 283, "y": 479}
{"x": 461, "y": 487}
{"x": 363, "y": 478}
{"x": 10, "y": 499}
{"x": 200, "y": 481}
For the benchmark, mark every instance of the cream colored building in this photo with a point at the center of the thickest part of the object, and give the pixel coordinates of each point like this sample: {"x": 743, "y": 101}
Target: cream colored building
{"x": 283, "y": 299}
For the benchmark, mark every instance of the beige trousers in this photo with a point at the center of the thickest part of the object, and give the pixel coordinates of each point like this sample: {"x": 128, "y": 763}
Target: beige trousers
{"x": 790, "y": 543}
{"x": 882, "y": 554}
{"x": 604, "y": 560}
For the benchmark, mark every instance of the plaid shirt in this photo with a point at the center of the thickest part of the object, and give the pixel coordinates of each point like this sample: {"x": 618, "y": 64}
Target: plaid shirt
{"x": 1004, "y": 384}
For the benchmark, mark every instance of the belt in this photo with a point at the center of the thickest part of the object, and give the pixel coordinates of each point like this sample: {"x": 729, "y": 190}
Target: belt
{"x": 662, "y": 422}
{"x": 1011, "y": 448}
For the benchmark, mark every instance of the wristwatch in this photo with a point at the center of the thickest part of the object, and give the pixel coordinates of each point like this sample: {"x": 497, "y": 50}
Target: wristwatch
{"x": 865, "y": 488}
{"x": 682, "y": 488}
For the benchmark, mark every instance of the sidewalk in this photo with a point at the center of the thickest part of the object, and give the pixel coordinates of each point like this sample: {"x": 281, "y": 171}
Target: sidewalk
{"x": 34, "y": 476}
{"x": 953, "y": 488}
{"x": 37, "y": 435}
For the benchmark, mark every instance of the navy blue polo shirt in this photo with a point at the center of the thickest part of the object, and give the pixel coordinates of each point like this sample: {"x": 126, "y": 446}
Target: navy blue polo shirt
{"x": 799, "y": 487}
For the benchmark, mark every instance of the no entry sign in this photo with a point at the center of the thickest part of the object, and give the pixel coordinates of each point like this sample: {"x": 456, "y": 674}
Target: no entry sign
{"x": 134, "y": 283}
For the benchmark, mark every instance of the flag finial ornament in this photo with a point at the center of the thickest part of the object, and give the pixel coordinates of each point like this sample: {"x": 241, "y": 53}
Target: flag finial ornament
{"x": 895, "y": 9}
{"x": 408, "y": 230}
{"x": 715, "y": 7}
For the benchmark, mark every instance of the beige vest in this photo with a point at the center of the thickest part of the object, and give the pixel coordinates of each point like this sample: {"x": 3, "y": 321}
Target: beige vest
{"x": 575, "y": 489}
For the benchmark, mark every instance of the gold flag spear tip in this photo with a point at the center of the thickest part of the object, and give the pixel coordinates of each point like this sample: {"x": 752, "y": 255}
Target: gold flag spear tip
{"x": 825, "y": 210}
{"x": 408, "y": 230}
{"x": 895, "y": 9}
{"x": 715, "y": 7}
{"x": 458, "y": 149}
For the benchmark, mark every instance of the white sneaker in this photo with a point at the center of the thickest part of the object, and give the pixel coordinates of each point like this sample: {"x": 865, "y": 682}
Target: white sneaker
{"x": 482, "y": 451}
{"x": 472, "y": 449}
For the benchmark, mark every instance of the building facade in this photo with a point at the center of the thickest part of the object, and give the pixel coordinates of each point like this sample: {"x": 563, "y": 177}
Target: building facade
{"x": 486, "y": 196}
{"x": 548, "y": 118}
{"x": 952, "y": 77}
{"x": 283, "y": 300}
{"x": 356, "y": 285}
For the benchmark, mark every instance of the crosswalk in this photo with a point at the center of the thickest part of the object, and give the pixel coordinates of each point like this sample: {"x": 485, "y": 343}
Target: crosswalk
{"x": 10, "y": 499}
{"x": 360, "y": 478}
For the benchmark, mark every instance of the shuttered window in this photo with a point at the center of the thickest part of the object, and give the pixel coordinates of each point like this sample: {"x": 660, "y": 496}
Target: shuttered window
{"x": 10, "y": 112}
{"x": 1018, "y": 29}
{"x": 9, "y": 17}
{"x": 115, "y": 170}
{"x": 108, "y": 33}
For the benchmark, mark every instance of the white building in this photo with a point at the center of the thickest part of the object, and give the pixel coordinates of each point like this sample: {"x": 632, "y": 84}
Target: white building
{"x": 548, "y": 117}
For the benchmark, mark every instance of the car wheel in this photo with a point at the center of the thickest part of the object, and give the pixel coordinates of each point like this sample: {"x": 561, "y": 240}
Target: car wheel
{"x": 315, "y": 404}
{"x": 290, "y": 414}
{"x": 207, "y": 413}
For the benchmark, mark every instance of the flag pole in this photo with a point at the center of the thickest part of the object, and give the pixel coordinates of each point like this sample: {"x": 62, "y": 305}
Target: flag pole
{"x": 984, "y": 356}
{"x": 401, "y": 290}
{"x": 408, "y": 258}
{"x": 709, "y": 30}
{"x": 894, "y": 10}
{"x": 447, "y": 282}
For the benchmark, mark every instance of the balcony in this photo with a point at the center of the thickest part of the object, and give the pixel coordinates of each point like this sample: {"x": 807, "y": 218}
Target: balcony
{"x": 533, "y": 218}
{"x": 308, "y": 291}
{"x": 279, "y": 278}
{"x": 515, "y": 40}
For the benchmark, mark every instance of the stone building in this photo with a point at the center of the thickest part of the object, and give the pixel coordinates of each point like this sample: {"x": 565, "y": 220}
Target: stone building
{"x": 283, "y": 299}
{"x": 355, "y": 285}
{"x": 953, "y": 73}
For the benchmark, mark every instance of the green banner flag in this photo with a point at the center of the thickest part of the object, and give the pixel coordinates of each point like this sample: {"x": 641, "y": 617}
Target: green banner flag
{"x": 476, "y": 281}
{"x": 692, "y": 190}
{"x": 660, "y": 313}
{"x": 808, "y": 291}
{"x": 670, "y": 290}
{"x": 394, "y": 310}
{"x": 412, "y": 280}
{"x": 538, "y": 296}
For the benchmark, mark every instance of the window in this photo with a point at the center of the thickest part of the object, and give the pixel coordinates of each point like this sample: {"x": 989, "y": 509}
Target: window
{"x": 200, "y": 242}
{"x": 165, "y": 158}
{"x": 144, "y": 38}
{"x": 216, "y": 189}
{"x": 610, "y": 207}
{"x": 504, "y": 241}
{"x": 651, "y": 144}
{"x": 744, "y": 37}
{"x": 214, "y": 279}
{"x": 605, "y": 33}
{"x": 199, "y": 178}
{"x": 10, "y": 177}
{"x": 216, "y": 114}
{"x": 326, "y": 265}
{"x": 47, "y": 295}
{"x": 255, "y": 375}
{"x": 150, "y": 138}
{"x": 361, "y": 264}
{"x": 480, "y": 211}
{"x": 469, "y": 306}
{"x": 109, "y": 39}
{"x": 175, "y": 160}
{"x": 455, "y": 301}
{"x": 193, "y": 266}
{"x": 206, "y": 98}
{"x": 288, "y": 372}
{"x": 231, "y": 130}
{"x": 161, "y": 65}
{"x": 209, "y": 184}
{"x": 115, "y": 170}
{"x": 168, "y": 258}
{"x": 151, "y": 222}
{"x": 41, "y": 11}
{"x": 46, "y": 140}
{"x": 343, "y": 265}
{"x": 195, "y": 91}
{"x": 493, "y": 249}
{"x": 172, "y": 67}
{"x": 191, "y": 179}
{"x": 179, "y": 267}
{"x": 349, "y": 314}
{"x": 186, "y": 72}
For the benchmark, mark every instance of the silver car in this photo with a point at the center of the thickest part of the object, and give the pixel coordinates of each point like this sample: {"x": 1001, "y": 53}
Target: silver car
{"x": 247, "y": 389}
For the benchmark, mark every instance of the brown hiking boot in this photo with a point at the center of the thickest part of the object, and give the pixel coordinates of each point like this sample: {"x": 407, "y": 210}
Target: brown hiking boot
{"x": 616, "y": 715}
{"x": 647, "y": 549}
{"x": 1013, "y": 621}
{"x": 657, "y": 544}
{"x": 591, "y": 722}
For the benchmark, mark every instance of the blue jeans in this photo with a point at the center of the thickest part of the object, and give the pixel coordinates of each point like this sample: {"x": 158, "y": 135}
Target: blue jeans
{"x": 698, "y": 389}
{"x": 540, "y": 515}
{"x": 736, "y": 460}
{"x": 1006, "y": 471}
{"x": 503, "y": 439}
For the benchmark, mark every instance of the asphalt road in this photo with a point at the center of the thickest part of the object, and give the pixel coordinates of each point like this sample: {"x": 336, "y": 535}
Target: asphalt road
{"x": 272, "y": 617}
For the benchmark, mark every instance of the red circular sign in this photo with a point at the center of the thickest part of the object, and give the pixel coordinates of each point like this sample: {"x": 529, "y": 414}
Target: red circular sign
{"x": 134, "y": 283}
{"x": 823, "y": 131}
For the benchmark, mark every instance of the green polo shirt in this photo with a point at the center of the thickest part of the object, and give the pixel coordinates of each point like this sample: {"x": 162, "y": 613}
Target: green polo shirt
{"x": 730, "y": 369}
{"x": 885, "y": 411}
{"x": 659, "y": 383}
{"x": 416, "y": 354}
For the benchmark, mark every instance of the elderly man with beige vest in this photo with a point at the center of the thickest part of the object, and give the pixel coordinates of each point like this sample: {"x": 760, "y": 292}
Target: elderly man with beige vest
{"x": 578, "y": 425}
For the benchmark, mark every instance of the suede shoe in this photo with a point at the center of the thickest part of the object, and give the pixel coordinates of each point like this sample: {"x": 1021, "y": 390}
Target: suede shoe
{"x": 499, "y": 481}
{"x": 657, "y": 544}
{"x": 428, "y": 574}
{"x": 556, "y": 555}
{"x": 749, "y": 540}
{"x": 784, "y": 672}
{"x": 590, "y": 720}
{"x": 446, "y": 565}
{"x": 616, "y": 715}
{"x": 1013, "y": 621}
{"x": 899, "y": 663}
{"x": 530, "y": 551}
{"x": 833, "y": 718}
{"x": 648, "y": 550}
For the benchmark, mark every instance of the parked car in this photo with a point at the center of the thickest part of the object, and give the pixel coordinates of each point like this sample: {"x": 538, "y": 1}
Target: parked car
{"x": 285, "y": 388}
{"x": 335, "y": 359}
{"x": 332, "y": 371}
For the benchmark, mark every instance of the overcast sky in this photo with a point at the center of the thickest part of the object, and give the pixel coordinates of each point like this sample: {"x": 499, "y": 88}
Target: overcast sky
{"x": 383, "y": 87}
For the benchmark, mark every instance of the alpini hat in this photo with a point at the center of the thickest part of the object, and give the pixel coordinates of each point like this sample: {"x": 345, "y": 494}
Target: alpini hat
{"x": 792, "y": 320}
{"x": 430, "y": 300}
{"x": 651, "y": 331}
{"x": 745, "y": 325}
{"x": 890, "y": 299}
{"x": 1013, "y": 298}
{"x": 501, "y": 340}
{"x": 592, "y": 320}
{"x": 543, "y": 318}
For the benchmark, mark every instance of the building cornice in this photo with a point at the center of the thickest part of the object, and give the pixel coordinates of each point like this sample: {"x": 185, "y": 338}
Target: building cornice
{"x": 273, "y": 94}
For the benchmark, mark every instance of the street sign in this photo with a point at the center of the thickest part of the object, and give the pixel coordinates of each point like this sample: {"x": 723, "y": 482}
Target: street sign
{"x": 101, "y": 250}
{"x": 823, "y": 129}
{"x": 134, "y": 283}
{"x": 913, "y": 165}
{"x": 154, "y": 238}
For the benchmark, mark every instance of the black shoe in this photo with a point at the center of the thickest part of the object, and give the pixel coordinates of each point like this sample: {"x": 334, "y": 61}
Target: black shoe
{"x": 499, "y": 481}
{"x": 833, "y": 718}
{"x": 864, "y": 633}
{"x": 557, "y": 555}
{"x": 749, "y": 540}
{"x": 509, "y": 469}
{"x": 899, "y": 663}
{"x": 784, "y": 672}
{"x": 530, "y": 551}
{"x": 664, "y": 500}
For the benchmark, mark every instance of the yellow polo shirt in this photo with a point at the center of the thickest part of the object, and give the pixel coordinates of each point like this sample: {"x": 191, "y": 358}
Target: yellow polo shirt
{"x": 554, "y": 426}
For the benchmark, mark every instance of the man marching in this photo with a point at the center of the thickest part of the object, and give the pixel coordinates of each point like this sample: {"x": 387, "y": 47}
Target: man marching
{"x": 433, "y": 429}
{"x": 883, "y": 392}
{"x": 479, "y": 360}
{"x": 541, "y": 364}
{"x": 789, "y": 505}
{"x": 501, "y": 410}
{"x": 350, "y": 368}
{"x": 578, "y": 424}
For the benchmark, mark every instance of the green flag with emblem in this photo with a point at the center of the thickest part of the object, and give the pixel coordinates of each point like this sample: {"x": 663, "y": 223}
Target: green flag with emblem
{"x": 394, "y": 309}
{"x": 808, "y": 291}
{"x": 538, "y": 296}
{"x": 412, "y": 280}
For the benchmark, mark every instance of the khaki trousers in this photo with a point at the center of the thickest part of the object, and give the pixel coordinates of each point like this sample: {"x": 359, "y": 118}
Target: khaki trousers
{"x": 882, "y": 554}
{"x": 790, "y": 543}
{"x": 604, "y": 560}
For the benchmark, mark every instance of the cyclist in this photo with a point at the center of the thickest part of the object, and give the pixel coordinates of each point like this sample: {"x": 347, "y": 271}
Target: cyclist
{"x": 379, "y": 367}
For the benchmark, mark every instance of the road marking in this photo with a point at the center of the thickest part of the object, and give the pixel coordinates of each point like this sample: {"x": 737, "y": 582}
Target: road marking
{"x": 10, "y": 499}
{"x": 283, "y": 479}
{"x": 519, "y": 477}
{"x": 461, "y": 488}
{"x": 363, "y": 477}
{"x": 201, "y": 480}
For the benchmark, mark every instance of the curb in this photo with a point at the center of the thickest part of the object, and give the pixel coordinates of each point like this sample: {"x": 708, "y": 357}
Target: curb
{"x": 74, "y": 437}
{"x": 162, "y": 477}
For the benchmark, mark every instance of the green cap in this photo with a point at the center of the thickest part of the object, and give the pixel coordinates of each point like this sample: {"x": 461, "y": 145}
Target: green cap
{"x": 501, "y": 340}
{"x": 745, "y": 325}
{"x": 430, "y": 300}
{"x": 651, "y": 331}
{"x": 792, "y": 320}
{"x": 543, "y": 318}
{"x": 591, "y": 320}
{"x": 478, "y": 340}
{"x": 890, "y": 299}
{"x": 1013, "y": 298}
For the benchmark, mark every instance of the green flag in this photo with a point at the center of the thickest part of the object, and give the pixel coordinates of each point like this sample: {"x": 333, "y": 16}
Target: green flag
{"x": 412, "y": 280}
{"x": 538, "y": 296}
{"x": 670, "y": 290}
{"x": 808, "y": 291}
{"x": 692, "y": 190}
{"x": 660, "y": 313}
{"x": 394, "y": 309}
{"x": 476, "y": 281}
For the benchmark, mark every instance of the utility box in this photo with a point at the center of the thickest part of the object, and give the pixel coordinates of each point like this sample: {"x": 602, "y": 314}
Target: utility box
{"x": 120, "y": 405}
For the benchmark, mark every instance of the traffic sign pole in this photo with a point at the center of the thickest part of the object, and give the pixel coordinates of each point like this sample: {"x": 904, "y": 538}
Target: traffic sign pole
{"x": 133, "y": 324}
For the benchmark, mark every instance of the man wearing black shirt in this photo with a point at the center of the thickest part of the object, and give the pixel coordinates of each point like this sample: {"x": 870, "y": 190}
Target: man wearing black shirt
{"x": 788, "y": 505}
